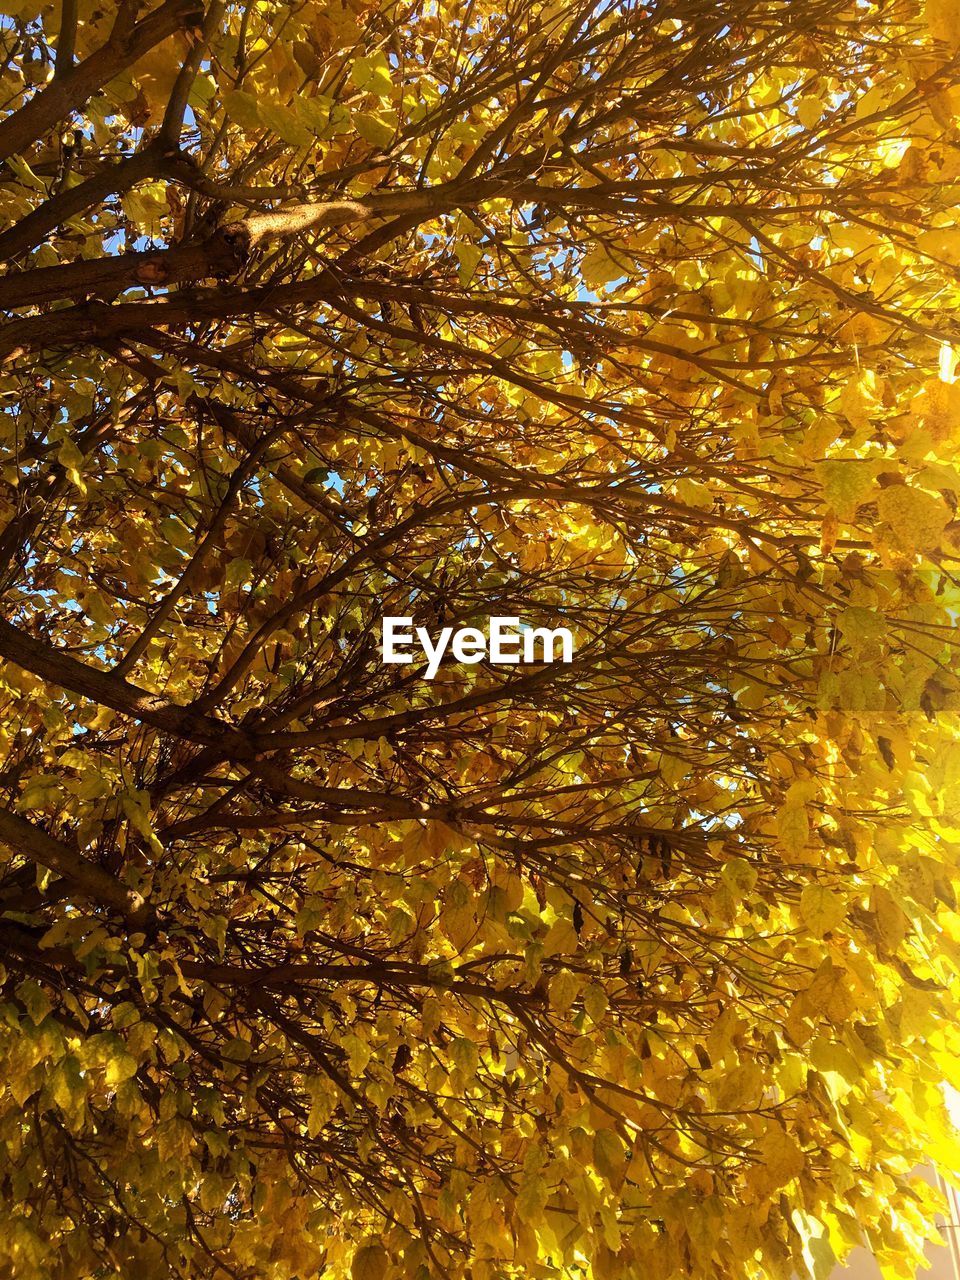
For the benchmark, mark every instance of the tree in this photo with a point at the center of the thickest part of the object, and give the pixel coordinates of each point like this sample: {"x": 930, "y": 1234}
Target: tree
{"x": 632, "y": 317}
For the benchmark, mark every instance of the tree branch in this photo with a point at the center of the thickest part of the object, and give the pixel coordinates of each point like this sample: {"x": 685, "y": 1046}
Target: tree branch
{"x": 106, "y": 277}
{"x": 111, "y": 691}
{"x": 92, "y": 882}
{"x": 69, "y": 92}
{"x": 67, "y": 40}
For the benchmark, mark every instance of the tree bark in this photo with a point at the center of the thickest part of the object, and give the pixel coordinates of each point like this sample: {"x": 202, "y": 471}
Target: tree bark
{"x": 91, "y": 881}
{"x": 68, "y": 92}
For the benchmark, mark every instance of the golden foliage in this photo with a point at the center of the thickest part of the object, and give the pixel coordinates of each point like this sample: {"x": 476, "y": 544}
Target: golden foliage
{"x": 644, "y": 965}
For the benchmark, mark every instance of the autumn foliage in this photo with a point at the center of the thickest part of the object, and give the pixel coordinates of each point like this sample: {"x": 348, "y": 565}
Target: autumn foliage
{"x": 636, "y": 318}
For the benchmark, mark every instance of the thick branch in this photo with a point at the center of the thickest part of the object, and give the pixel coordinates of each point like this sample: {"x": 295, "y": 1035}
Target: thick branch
{"x": 219, "y": 257}
{"x": 111, "y": 691}
{"x": 106, "y": 277}
{"x": 68, "y": 92}
{"x": 67, "y": 40}
{"x": 71, "y": 202}
{"x": 93, "y": 883}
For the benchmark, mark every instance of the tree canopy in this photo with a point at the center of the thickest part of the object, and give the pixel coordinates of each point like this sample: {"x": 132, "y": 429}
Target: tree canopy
{"x": 635, "y": 317}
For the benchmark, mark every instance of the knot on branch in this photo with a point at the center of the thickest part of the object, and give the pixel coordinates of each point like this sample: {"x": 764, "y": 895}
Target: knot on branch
{"x": 236, "y": 237}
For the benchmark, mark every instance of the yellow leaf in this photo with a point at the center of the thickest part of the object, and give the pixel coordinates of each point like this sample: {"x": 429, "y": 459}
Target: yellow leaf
{"x": 285, "y": 123}
{"x": 741, "y": 1088}
{"x": 862, "y": 627}
{"x": 601, "y": 266}
{"x": 564, "y": 988}
{"x": 532, "y": 1196}
{"x": 242, "y": 108}
{"x": 374, "y": 129}
{"x": 937, "y": 408}
{"x": 830, "y": 993}
{"x": 373, "y": 75}
{"x": 34, "y": 999}
{"x": 892, "y": 924}
{"x": 833, "y": 1059}
{"x": 693, "y": 494}
{"x": 782, "y": 1156}
{"x": 120, "y": 1067}
{"x": 942, "y": 243}
{"x": 821, "y": 909}
{"x": 608, "y": 1155}
{"x": 146, "y": 206}
{"x": 739, "y": 876}
{"x": 71, "y": 459}
{"x": 370, "y": 1262}
{"x": 595, "y": 1001}
{"x": 793, "y": 829}
{"x": 469, "y": 256}
{"x": 561, "y": 938}
{"x": 943, "y": 21}
{"x": 916, "y": 518}
{"x": 809, "y": 110}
